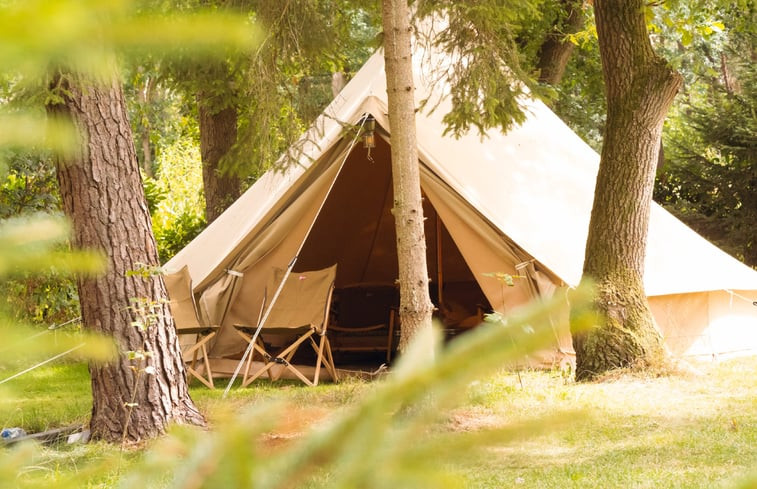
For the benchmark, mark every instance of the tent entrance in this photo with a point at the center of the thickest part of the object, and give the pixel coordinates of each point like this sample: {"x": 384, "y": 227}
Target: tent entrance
{"x": 355, "y": 230}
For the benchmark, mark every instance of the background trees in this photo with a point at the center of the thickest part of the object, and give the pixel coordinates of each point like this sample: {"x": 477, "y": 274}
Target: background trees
{"x": 708, "y": 177}
{"x": 251, "y": 106}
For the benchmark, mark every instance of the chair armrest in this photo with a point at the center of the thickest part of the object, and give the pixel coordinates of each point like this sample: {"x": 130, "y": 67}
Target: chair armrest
{"x": 361, "y": 329}
{"x": 203, "y": 330}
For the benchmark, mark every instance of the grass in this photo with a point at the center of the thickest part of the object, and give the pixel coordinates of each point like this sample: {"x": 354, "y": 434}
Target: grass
{"x": 48, "y": 397}
{"x": 635, "y": 432}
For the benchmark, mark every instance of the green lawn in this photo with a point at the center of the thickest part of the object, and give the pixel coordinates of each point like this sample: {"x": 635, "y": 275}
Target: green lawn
{"x": 631, "y": 432}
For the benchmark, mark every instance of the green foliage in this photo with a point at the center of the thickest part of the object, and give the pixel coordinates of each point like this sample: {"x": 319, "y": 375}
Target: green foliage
{"x": 279, "y": 90}
{"x": 29, "y": 246}
{"x": 159, "y": 115}
{"x": 154, "y": 193}
{"x": 30, "y": 188}
{"x": 179, "y": 215}
{"x": 83, "y": 35}
{"x": 35, "y": 264}
{"x": 708, "y": 176}
{"x": 184, "y": 228}
{"x": 580, "y": 100}
{"x": 36, "y": 33}
{"x": 485, "y": 71}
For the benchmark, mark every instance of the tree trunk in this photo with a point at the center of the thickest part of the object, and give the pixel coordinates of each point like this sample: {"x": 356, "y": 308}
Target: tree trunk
{"x": 415, "y": 305}
{"x": 640, "y": 88}
{"x": 102, "y": 194}
{"x": 218, "y": 133}
{"x": 556, "y": 49}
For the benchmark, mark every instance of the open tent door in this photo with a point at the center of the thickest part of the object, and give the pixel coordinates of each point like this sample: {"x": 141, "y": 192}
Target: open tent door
{"x": 355, "y": 229}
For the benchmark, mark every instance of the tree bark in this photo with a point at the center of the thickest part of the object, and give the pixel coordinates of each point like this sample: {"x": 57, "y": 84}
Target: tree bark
{"x": 218, "y": 133}
{"x": 102, "y": 194}
{"x": 556, "y": 49}
{"x": 640, "y": 88}
{"x": 415, "y": 305}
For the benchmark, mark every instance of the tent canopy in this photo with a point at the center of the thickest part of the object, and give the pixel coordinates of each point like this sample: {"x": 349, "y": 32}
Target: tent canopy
{"x": 517, "y": 203}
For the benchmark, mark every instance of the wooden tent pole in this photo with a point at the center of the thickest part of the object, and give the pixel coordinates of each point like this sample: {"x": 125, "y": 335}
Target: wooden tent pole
{"x": 439, "y": 267}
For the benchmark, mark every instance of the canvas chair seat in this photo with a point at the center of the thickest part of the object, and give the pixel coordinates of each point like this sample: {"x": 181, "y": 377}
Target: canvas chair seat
{"x": 193, "y": 335}
{"x": 299, "y": 314}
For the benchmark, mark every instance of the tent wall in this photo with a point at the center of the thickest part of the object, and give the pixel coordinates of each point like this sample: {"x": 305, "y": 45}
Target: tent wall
{"x": 235, "y": 299}
{"x": 707, "y": 324}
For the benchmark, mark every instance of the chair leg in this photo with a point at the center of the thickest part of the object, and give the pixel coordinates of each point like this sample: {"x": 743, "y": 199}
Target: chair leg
{"x": 200, "y": 350}
{"x": 208, "y": 372}
{"x": 319, "y": 359}
{"x": 285, "y": 356}
{"x": 330, "y": 362}
{"x": 390, "y": 340}
{"x": 265, "y": 357}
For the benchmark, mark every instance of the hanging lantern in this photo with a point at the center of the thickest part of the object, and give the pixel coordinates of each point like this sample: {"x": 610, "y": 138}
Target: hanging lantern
{"x": 369, "y": 135}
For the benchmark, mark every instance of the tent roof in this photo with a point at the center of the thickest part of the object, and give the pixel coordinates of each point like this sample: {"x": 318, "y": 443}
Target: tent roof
{"x": 535, "y": 184}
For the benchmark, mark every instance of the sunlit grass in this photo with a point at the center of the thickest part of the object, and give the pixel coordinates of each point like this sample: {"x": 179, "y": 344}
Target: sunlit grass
{"x": 692, "y": 431}
{"x": 48, "y": 397}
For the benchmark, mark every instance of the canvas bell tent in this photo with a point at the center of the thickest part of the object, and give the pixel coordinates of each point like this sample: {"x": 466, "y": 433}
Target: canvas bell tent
{"x": 516, "y": 203}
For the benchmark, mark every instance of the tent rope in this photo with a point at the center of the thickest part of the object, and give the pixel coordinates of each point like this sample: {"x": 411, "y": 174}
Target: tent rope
{"x": 42, "y": 363}
{"x": 290, "y": 266}
{"x": 746, "y": 299}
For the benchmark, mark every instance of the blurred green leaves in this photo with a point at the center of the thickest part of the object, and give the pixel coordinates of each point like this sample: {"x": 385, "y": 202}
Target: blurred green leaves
{"x": 28, "y": 245}
{"x": 397, "y": 436}
{"x": 27, "y": 130}
{"x": 83, "y": 34}
{"x": 32, "y": 245}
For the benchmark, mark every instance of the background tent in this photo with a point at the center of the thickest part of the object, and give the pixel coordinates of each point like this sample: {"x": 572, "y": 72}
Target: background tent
{"x": 517, "y": 203}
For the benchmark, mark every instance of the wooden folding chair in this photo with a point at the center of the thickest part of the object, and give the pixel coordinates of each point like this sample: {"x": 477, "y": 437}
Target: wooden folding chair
{"x": 365, "y": 318}
{"x": 299, "y": 314}
{"x": 193, "y": 335}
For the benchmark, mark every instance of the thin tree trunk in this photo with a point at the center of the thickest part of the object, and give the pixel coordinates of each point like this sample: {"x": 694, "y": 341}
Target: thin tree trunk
{"x": 556, "y": 49}
{"x": 145, "y": 97}
{"x": 640, "y": 88}
{"x": 415, "y": 305}
{"x": 102, "y": 194}
{"x": 218, "y": 133}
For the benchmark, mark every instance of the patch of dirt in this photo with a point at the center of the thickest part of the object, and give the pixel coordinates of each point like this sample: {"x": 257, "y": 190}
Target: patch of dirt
{"x": 295, "y": 423}
{"x": 473, "y": 420}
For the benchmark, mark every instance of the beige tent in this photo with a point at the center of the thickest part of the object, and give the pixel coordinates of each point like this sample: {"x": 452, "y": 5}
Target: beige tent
{"x": 517, "y": 203}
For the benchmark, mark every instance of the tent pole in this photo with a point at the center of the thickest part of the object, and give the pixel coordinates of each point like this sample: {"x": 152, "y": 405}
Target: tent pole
{"x": 290, "y": 266}
{"x": 439, "y": 266}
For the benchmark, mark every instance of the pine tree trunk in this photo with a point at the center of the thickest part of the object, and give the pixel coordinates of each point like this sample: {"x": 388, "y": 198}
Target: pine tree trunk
{"x": 640, "y": 88}
{"x": 102, "y": 194}
{"x": 218, "y": 133}
{"x": 415, "y": 305}
{"x": 556, "y": 49}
